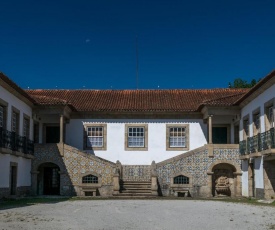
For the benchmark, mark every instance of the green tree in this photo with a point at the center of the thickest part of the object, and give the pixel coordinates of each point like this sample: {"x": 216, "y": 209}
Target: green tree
{"x": 240, "y": 83}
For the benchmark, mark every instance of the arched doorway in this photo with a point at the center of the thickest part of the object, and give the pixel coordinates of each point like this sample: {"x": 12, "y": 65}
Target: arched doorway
{"x": 223, "y": 180}
{"x": 48, "y": 179}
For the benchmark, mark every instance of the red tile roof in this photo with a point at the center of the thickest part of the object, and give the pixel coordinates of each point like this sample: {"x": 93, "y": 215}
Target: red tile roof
{"x": 138, "y": 100}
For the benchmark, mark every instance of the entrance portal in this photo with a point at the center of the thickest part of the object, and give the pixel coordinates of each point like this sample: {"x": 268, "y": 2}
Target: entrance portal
{"x": 223, "y": 180}
{"x": 48, "y": 179}
{"x": 52, "y": 134}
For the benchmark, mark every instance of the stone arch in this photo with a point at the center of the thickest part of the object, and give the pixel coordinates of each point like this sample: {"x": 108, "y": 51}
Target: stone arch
{"x": 224, "y": 178}
{"x": 229, "y": 162}
{"x": 48, "y": 178}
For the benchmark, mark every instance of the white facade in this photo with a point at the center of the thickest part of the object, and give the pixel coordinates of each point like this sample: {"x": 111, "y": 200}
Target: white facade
{"x": 156, "y": 138}
{"x": 9, "y": 158}
{"x": 257, "y": 105}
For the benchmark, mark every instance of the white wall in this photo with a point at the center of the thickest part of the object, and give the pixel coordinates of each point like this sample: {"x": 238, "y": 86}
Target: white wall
{"x": 259, "y": 173}
{"x": 21, "y": 106}
{"x": 258, "y": 102}
{"x": 245, "y": 188}
{"x": 156, "y": 139}
{"x": 23, "y": 170}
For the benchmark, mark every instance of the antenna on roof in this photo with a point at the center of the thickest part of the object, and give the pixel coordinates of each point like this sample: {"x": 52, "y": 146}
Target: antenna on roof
{"x": 137, "y": 61}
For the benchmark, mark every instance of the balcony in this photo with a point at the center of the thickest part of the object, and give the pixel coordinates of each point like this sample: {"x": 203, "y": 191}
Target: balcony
{"x": 257, "y": 145}
{"x": 14, "y": 142}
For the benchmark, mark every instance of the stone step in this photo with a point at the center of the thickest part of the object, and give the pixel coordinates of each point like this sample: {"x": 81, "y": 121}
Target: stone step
{"x": 136, "y": 188}
{"x": 133, "y": 194}
{"x": 136, "y": 191}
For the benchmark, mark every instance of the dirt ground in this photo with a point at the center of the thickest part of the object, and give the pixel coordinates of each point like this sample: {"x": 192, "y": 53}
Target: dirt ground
{"x": 138, "y": 214}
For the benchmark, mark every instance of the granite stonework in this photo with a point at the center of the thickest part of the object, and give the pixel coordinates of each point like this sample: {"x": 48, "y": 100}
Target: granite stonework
{"x": 197, "y": 165}
{"x": 20, "y": 192}
{"x": 73, "y": 165}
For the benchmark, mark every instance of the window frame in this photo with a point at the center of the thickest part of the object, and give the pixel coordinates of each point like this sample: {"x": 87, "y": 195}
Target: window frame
{"x": 256, "y": 117}
{"x": 145, "y": 136}
{"x": 4, "y": 105}
{"x": 85, "y": 141}
{"x": 267, "y": 106}
{"x": 246, "y": 133}
{"x": 17, "y": 123}
{"x": 27, "y": 134}
{"x": 168, "y": 147}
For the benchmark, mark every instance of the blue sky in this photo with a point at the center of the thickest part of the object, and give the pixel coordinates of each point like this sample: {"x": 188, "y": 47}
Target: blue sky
{"x": 92, "y": 44}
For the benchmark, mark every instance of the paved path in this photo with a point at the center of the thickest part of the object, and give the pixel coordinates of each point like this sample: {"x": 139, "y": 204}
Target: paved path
{"x": 138, "y": 214}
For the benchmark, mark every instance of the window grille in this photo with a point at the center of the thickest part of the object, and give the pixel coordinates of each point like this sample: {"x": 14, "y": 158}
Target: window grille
{"x": 14, "y": 122}
{"x": 135, "y": 136}
{"x": 181, "y": 180}
{"x": 26, "y": 127}
{"x": 1, "y": 116}
{"x": 271, "y": 116}
{"x": 90, "y": 179}
{"x": 95, "y": 136}
{"x": 177, "y": 137}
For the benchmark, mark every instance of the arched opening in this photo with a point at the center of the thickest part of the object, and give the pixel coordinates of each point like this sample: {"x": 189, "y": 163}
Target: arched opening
{"x": 48, "y": 179}
{"x": 223, "y": 180}
{"x": 181, "y": 179}
{"x": 90, "y": 179}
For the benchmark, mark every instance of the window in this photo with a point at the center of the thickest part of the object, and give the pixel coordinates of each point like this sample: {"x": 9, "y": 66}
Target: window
{"x": 136, "y": 137}
{"x": 95, "y": 137}
{"x": 181, "y": 180}
{"x": 15, "y": 122}
{"x": 257, "y": 125}
{"x": 246, "y": 128}
{"x": 91, "y": 179}
{"x": 1, "y": 116}
{"x": 270, "y": 117}
{"x": 26, "y": 127}
{"x": 177, "y": 137}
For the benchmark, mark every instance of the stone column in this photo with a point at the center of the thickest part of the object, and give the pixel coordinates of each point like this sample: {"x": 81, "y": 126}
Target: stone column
{"x": 209, "y": 183}
{"x": 238, "y": 184}
{"x": 34, "y": 182}
{"x": 210, "y": 129}
{"x": 154, "y": 179}
{"x": 61, "y": 139}
{"x": 116, "y": 183}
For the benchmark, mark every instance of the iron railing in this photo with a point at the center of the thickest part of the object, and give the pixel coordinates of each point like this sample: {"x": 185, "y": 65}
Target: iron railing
{"x": 258, "y": 143}
{"x": 11, "y": 140}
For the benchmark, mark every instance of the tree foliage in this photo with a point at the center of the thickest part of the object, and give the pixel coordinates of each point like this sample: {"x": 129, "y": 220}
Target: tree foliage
{"x": 240, "y": 83}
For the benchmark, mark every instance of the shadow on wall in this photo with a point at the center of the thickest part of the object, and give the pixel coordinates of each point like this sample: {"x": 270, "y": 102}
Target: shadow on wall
{"x": 49, "y": 172}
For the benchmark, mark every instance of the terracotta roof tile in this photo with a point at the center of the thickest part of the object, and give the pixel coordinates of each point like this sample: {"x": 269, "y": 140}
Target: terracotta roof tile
{"x": 138, "y": 100}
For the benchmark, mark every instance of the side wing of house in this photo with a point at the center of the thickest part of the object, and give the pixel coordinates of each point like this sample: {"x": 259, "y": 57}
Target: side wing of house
{"x": 16, "y": 145}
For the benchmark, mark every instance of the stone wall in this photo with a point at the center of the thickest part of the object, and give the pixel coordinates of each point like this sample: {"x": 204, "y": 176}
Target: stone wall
{"x": 73, "y": 164}
{"x": 20, "y": 192}
{"x": 196, "y": 164}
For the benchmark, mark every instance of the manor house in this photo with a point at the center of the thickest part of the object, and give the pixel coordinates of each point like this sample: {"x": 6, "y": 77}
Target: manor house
{"x": 137, "y": 143}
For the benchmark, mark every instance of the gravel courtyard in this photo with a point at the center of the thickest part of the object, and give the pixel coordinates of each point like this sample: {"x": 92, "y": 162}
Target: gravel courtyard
{"x": 138, "y": 214}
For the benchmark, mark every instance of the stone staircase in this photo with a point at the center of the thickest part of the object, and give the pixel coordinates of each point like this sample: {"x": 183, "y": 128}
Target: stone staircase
{"x": 135, "y": 189}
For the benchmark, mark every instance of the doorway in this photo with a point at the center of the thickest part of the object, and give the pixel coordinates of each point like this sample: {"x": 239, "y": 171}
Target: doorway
{"x": 219, "y": 135}
{"x": 48, "y": 179}
{"x": 13, "y": 178}
{"x": 52, "y": 134}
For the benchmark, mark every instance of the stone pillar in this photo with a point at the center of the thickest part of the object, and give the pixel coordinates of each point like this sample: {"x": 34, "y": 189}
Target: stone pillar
{"x": 210, "y": 129}
{"x": 238, "y": 184}
{"x": 116, "y": 183}
{"x": 209, "y": 183}
{"x": 154, "y": 179}
{"x": 34, "y": 183}
{"x": 61, "y": 139}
